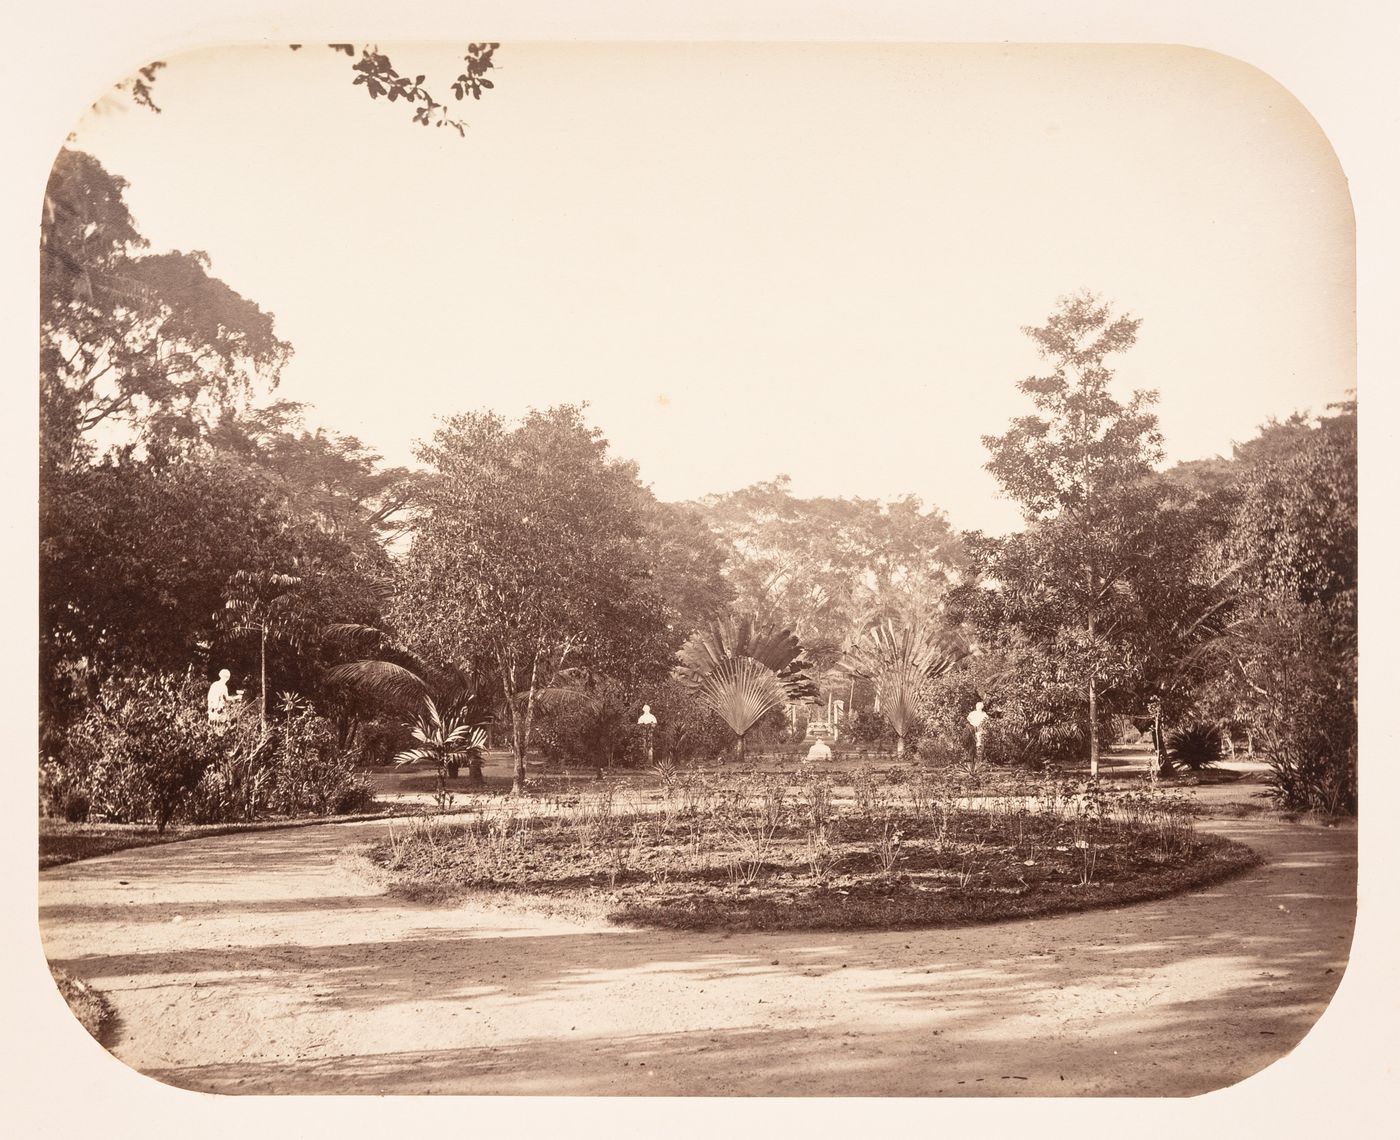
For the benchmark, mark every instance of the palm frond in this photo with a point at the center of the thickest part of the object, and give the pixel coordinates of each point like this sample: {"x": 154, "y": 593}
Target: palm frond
{"x": 346, "y": 634}
{"x": 898, "y": 662}
{"x": 741, "y": 690}
{"x": 772, "y": 646}
{"x": 379, "y": 680}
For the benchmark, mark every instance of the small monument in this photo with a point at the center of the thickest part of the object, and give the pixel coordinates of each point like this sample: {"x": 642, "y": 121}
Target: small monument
{"x": 819, "y": 751}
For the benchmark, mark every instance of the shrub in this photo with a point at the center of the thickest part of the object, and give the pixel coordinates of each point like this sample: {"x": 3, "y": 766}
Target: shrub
{"x": 308, "y": 773}
{"x": 144, "y": 750}
{"x": 1197, "y": 746}
{"x": 138, "y": 750}
{"x": 1036, "y": 716}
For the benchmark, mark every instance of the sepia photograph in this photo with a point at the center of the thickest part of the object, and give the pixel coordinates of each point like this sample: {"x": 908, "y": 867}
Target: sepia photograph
{"x": 701, "y": 569}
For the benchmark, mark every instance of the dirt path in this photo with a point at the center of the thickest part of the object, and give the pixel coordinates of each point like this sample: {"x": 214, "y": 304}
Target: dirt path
{"x": 254, "y": 963}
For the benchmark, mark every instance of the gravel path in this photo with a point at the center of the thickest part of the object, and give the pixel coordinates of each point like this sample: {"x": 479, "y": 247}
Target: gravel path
{"x": 257, "y": 963}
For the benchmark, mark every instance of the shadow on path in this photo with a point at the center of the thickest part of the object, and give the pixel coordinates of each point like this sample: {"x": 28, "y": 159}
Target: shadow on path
{"x": 267, "y": 984}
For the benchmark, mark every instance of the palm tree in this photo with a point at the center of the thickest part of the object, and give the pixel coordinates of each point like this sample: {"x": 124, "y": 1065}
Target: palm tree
{"x": 898, "y": 662}
{"x": 267, "y": 603}
{"x": 405, "y": 685}
{"x": 742, "y": 670}
{"x": 445, "y": 738}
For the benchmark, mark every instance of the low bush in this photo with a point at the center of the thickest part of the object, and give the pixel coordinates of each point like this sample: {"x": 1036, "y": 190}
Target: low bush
{"x": 135, "y": 754}
{"x": 144, "y": 751}
{"x": 1195, "y": 747}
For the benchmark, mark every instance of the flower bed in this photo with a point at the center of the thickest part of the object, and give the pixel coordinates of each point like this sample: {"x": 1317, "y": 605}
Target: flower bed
{"x": 776, "y": 853}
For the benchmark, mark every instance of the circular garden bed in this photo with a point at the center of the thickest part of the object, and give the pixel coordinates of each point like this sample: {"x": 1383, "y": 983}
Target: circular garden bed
{"x": 765, "y": 854}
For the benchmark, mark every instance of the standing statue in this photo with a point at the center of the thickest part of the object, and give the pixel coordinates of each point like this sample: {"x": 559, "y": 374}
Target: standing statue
{"x": 978, "y": 719}
{"x": 217, "y": 703}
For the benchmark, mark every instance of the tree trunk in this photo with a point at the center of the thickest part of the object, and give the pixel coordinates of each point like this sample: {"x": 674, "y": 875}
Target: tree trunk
{"x": 739, "y": 749}
{"x": 262, "y": 693}
{"x": 474, "y": 771}
{"x": 1093, "y": 697}
{"x": 899, "y": 744}
{"x": 1093, "y": 729}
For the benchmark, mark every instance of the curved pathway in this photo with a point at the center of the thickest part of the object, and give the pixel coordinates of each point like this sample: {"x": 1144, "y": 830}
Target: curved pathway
{"x": 259, "y": 963}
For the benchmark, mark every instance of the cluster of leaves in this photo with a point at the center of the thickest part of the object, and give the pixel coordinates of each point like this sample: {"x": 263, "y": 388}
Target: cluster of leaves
{"x": 1195, "y": 746}
{"x": 1034, "y": 702}
{"x": 137, "y": 752}
{"x": 380, "y": 78}
{"x": 376, "y": 73}
{"x": 900, "y": 663}
{"x": 743, "y": 670}
{"x": 1290, "y": 649}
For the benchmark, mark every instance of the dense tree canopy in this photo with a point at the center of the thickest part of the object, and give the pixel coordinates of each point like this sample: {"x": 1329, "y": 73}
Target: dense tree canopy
{"x": 827, "y": 567}
{"x": 536, "y": 549}
{"x": 161, "y": 483}
{"x": 134, "y": 344}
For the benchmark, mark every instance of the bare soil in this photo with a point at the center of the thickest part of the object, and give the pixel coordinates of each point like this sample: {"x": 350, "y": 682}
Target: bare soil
{"x": 262, "y": 963}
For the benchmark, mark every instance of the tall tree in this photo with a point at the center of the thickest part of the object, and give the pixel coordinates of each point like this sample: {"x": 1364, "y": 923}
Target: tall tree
{"x": 1079, "y": 467}
{"x": 268, "y": 604}
{"x": 133, "y": 344}
{"x": 530, "y": 547}
{"x": 159, "y": 482}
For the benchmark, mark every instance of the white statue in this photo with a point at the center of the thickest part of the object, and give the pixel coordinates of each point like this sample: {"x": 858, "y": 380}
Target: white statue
{"x": 978, "y": 719}
{"x": 819, "y": 751}
{"x": 647, "y": 720}
{"x": 217, "y": 703}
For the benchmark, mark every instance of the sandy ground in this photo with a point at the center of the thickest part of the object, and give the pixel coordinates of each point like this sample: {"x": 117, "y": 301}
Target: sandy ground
{"x": 258, "y": 963}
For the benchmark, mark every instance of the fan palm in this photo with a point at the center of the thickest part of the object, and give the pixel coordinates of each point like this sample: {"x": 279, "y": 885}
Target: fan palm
{"x": 742, "y": 670}
{"x": 898, "y": 662}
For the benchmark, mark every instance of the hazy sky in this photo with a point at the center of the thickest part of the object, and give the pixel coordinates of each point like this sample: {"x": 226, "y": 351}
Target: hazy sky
{"x": 751, "y": 260}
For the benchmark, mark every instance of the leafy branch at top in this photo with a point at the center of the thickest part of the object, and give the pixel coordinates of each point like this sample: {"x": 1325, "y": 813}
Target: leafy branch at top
{"x": 376, "y": 73}
{"x": 139, "y": 85}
